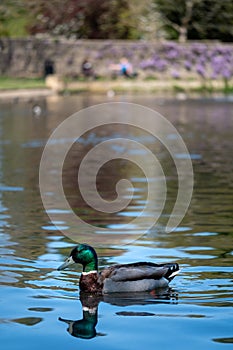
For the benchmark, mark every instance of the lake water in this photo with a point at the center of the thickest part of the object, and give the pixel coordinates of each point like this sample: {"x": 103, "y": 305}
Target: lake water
{"x": 40, "y": 307}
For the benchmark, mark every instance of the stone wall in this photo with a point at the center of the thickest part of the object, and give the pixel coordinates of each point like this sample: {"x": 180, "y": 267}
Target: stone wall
{"x": 26, "y": 57}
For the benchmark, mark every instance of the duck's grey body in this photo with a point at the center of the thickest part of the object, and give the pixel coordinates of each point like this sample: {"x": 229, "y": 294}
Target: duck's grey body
{"x": 138, "y": 277}
{"x": 144, "y": 285}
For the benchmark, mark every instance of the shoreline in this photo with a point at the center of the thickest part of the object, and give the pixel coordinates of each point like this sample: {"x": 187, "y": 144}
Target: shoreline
{"x": 113, "y": 87}
{"x": 171, "y": 86}
{"x": 25, "y": 93}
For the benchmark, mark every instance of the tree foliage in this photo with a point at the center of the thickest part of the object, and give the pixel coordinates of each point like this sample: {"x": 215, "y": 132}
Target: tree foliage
{"x": 213, "y": 19}
{"x": 92, "y": 19}
{"x": 197, "y": 19}
{"x": 119, "y": 19}
{"x": 12, "y": 18}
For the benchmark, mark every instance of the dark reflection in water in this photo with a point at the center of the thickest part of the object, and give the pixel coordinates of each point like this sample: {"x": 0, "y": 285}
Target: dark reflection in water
{"x": 224, "y": 340}
{"x": 31, "y": 246}
{"x": 85, "y": 328}
{"x": 28, "y": 321}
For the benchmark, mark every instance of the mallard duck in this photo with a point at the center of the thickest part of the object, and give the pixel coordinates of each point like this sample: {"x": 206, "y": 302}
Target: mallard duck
{"x": 135, "y": 277}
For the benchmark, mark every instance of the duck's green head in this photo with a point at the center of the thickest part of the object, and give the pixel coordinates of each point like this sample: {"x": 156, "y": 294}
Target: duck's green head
{"x": 82, "y": 254}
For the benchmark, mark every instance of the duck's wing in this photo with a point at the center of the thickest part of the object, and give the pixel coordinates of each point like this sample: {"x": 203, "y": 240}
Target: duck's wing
{"x": 141, "y": 270}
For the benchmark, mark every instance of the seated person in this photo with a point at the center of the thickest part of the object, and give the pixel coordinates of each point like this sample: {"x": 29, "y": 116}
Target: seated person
{"x": 124, "y": 68}
{"x": 87, "y": 69}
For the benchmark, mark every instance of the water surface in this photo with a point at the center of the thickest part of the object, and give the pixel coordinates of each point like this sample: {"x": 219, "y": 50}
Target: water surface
{"x": 39, "y": 304}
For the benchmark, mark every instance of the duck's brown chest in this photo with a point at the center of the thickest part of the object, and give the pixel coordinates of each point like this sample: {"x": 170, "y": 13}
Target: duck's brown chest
{"x": 89, "y": 283}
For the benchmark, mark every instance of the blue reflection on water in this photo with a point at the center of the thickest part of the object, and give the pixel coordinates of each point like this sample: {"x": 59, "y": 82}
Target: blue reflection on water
{"x": 196, "y": 313}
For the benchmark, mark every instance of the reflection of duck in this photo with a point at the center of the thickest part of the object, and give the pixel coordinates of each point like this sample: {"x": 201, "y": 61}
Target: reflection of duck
{"x": 85, "y": 328}
{"x": 158, "y": 296}
{"x": 136, "y": 277}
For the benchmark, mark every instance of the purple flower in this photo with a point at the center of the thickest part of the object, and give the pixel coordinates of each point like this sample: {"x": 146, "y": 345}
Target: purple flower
{"x": 198, "y": 48}
{"x": 175, "y": 74}
{"x": 188, "y": 65}
{"x": 200, "y": 70}
{"x": 155, "y": 63}
{"x": 172, "y": 54}
{"x": 214, "y": 75}
{"x": 172, "y": 51}
{"x": 205, "y": 60}
{"x": 161, "y": 64}
{"x": 147, "y": 64}
{"x": 226, "y": 73}
{"x": 221, "y": 66}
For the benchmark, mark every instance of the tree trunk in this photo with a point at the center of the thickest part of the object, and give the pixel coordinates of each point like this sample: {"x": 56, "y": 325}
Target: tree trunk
{"x": 183, "y": 34}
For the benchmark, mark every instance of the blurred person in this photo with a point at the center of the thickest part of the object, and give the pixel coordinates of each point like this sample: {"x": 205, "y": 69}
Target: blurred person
{"x": 49, "y": 67}
{"x": 124, "y": 68}
{"x": 87, "y": 69}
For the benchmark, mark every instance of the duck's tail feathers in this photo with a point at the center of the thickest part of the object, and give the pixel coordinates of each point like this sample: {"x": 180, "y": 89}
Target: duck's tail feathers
{"x": 173, "y": 270}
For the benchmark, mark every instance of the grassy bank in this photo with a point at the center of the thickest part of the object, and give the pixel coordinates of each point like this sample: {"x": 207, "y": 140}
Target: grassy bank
{"x": 7, "y": 83}
{"x": 149, "y": 86}
{"x": 103, "y": 86}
